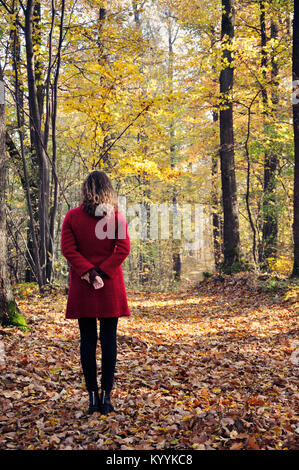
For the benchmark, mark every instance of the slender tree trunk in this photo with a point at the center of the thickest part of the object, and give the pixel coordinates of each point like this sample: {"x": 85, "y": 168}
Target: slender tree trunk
{"x": 9, "y": 311}
{"x": 28, "y": 177}
{"x": 34, "y": 163}
{"x": 103, "y": 59}
{"x": 100, "y": 43}
{"x": 176, "y": 256}
{"x": 136, "y": 13}
{"x": 264, "y": 60}
{"x": 38, "y": 69}
{"x": 248, "y": 176}
{"x": 216, "y": 209}
{"x": 48, "y": 80}
{"x": 35, "y": 124}
{"x": 53, "y": 210}
{"x": 231, "y": 237}
{"x": 19, "y": 98}
{"x": 146, "y": 259}
{"x": 295, "y": 74}
{"x": 216, "y": 221}
{"x": 270, "y": 211}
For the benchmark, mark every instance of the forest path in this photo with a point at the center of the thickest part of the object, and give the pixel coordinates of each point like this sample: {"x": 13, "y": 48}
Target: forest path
{"x": 210, "y": 368}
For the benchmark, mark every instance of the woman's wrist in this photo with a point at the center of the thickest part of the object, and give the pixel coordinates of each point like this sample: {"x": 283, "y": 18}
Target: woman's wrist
{"x": 102, "y": 274}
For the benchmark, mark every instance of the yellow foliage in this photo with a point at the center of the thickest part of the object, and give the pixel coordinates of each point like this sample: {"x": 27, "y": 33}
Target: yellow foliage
{"x": 281, "y": 264}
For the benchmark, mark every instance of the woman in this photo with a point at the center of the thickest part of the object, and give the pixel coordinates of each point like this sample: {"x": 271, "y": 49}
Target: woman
{"x": 95, "y": 242}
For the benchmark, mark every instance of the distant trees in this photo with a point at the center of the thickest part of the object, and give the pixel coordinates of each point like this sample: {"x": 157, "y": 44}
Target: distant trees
{"x": 37, "y": 169}
{"x": 160, "y": 94}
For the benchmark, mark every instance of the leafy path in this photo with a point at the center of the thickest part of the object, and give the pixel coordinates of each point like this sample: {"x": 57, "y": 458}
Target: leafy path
{"x": 211, "y": 368}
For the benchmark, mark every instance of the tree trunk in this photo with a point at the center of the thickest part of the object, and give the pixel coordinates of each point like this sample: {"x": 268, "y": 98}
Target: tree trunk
{"x": 38, "y": 66}
{"x": 53, "y": 210}
{"x": 216, "y": 209}
{"x": 231, "y": 237}
{"x": 295, "y": 74}
{"x": 270, "y": 213}
{"x": 176, "y": 255}
{"x": 28, "y": 176}
{"x": 9, "y": 311}
{"x": 216, "y": 221}
{"x": 264, "y": 60}
{"x": 36, "y": 134}
{"x": 146, "y": 257}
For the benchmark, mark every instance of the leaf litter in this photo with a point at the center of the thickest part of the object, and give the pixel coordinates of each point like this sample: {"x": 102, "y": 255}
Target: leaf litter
{"x": 214, "y": 367}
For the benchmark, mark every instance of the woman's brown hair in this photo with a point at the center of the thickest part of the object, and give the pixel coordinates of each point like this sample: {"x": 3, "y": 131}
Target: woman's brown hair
{"x": 97, "y": 189}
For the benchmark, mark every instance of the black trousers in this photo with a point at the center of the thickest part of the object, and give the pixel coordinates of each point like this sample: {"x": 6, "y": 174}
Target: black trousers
{"x": 88, "y": 345}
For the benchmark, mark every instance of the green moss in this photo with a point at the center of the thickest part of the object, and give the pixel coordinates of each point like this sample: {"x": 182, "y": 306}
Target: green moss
{"x": 242, "y": 265}
{"x": 14, "y": 316}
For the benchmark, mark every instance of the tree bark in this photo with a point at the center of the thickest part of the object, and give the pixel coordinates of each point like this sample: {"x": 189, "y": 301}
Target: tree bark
{"x": 295, "y": 70}
{"x": 231, "y": 237}
{"x": 35, "y": 124}
{"x": 9, "y": 311}
{"x": 29, "y": 177}
{"x": 176, "y": 255}
{"x": 264, "y": 60}
{"x": 270, "y": 211}
{"x": 216, "y": 218}
{"x": 53, "y": 210}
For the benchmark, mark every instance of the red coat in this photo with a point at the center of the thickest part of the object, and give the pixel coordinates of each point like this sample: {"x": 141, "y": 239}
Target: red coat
{"x": 84, "y": 247}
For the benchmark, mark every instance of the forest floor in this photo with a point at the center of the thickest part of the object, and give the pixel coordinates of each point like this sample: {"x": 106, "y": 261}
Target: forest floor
{"x": 214, "y": 367}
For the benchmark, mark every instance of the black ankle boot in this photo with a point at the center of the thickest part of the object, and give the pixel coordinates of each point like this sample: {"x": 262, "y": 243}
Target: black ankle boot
{"x": 105, "y": 403}
{"x": 94, "y": 402}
